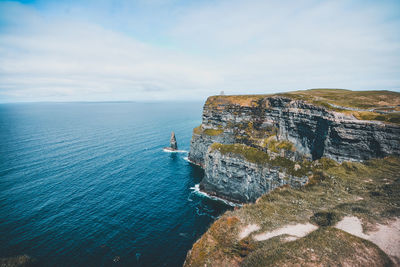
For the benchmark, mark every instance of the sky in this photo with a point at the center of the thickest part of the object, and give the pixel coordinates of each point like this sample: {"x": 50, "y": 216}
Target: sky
{"x": 186, "y": 50}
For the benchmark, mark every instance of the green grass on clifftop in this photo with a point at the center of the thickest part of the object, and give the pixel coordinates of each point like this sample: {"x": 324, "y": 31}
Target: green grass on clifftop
{"x": 348, "y": 98}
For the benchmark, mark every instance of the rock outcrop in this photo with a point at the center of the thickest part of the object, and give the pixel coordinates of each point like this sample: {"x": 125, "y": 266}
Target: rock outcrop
{"x": 234, "y": 178}
{"x": 201, "y": 142}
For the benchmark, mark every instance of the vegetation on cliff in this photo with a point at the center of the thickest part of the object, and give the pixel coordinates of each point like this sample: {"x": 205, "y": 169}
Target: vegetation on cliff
{"x": 249, "y": 153}
{"x": 257, "y": 156}
{"x": 369, "y": 191}
{"x": 210, "y": 132}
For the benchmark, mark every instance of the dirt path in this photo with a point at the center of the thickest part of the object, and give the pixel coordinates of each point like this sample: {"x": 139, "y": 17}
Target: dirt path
{"x": 295, "y": 231}
{"x": 386, "y": 236}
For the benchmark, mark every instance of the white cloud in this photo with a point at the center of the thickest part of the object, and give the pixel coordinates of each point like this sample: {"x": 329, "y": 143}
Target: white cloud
{"x": 236, "y": 46}
{"x": 298, "y": 45}
{"x": 67, "y": 60}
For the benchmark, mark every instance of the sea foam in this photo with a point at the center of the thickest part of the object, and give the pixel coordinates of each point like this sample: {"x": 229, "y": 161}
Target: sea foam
{"x": 174, "y": 151}
{"x": 196, "y": 190}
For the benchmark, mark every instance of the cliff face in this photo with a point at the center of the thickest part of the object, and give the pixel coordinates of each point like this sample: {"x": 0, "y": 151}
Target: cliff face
{"x": 236, "y": 179}
{"x": 285, "y": 127}
{"x": 201, "y": 142}
{"x": 313, "y": 130}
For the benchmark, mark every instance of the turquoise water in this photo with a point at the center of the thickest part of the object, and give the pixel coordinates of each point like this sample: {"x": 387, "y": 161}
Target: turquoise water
{"x": 88, "y": 184}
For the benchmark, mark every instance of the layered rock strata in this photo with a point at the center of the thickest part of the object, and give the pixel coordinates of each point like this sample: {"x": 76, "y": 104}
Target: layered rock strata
{"x": 280, "y": 127}
{"x": 234, "y": 178}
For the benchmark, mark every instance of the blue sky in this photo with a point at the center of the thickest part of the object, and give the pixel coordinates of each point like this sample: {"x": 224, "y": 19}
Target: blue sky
{"x": 158, "y": 50}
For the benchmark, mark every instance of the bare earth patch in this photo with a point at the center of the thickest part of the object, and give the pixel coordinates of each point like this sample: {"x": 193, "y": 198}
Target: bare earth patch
{"x": 352, "y": 225}
{"x": 248, "y": 230}
{"x": 296, "y": 231}
{"x": 386, "y": 236}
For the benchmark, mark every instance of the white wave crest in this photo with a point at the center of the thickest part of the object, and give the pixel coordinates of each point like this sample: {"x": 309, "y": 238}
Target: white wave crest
{"x": 192, "y": 162}
{"x": 188, "y": 160}
{"x": 196, "y": 190}
{"x": 174, "y": 151}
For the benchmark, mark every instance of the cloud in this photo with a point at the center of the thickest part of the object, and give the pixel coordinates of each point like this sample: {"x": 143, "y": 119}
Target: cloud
{"x": 299, "y": 44}
{"x": 74, "y": 60}
{"x": 166, "y": 50}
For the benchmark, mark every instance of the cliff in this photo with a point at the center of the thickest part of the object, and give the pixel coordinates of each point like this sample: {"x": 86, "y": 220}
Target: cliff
{"x": 233, "y": 174}
{"x": 323, "y": 156}
{"x": 289, "y": 130}
{"x": 316, "y": 128}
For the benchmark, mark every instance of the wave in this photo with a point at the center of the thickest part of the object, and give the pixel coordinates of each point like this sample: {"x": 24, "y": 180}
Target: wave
{"x": 174, "y": 151}
{"x": 196, "y": 190}
{"x": 191, "y": 162}
{"x": 200, "y": 213}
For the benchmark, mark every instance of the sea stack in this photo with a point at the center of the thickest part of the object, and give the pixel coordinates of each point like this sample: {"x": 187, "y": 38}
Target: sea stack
{"x": 174, "y": 144}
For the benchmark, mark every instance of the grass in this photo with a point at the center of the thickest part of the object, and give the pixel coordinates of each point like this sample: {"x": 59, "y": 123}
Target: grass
{"x": 242, "y": 100}
{"x": 275, "y": 146}
{"x": 211, "y": 132}
{"x": 198, "y": 130}
{"x": 325, "y": 246}
{"x": 249, "y": 153}
{"x": 251, "y": 134}
{"x": 369, "y": 191}
{"x": 374, "y": 116}
{"x": 285, "y": 145}
{"x": 217, "y": 239}
{"x": 341, "y": 97}
{"x": 348, "y": 98}
{"x": 325, "y": 218}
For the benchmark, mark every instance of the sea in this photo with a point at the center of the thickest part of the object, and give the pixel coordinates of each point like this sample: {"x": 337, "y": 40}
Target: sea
{"x": 89, "y": 184}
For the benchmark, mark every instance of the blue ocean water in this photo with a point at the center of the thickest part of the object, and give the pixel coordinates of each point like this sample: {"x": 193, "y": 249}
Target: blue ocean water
{"x": 88, "y": 184}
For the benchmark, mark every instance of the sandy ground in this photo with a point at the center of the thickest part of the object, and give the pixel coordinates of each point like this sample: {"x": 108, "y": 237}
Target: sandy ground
{"x": 386, "y": 236}
{"x": 248, "y": 230}
{"x": 295, "y": 231}
{"x": 352, "y": 225}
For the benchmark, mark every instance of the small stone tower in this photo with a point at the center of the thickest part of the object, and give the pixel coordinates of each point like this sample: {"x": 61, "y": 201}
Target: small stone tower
{"x": 174, "y": 144}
